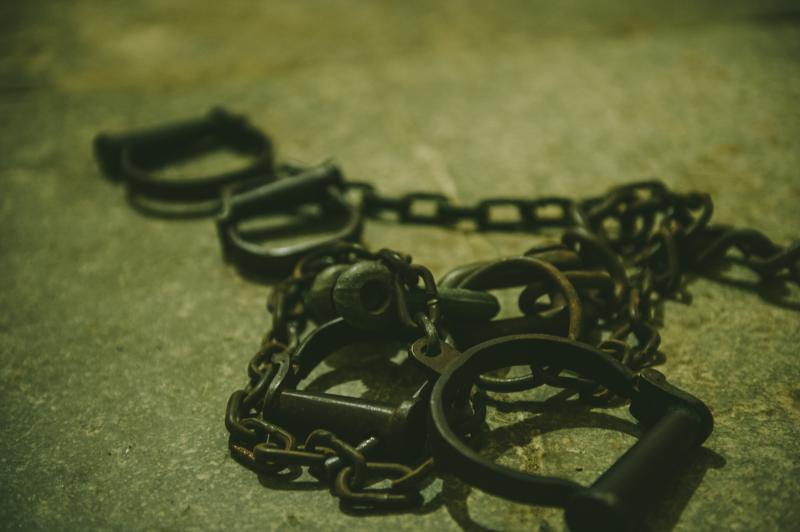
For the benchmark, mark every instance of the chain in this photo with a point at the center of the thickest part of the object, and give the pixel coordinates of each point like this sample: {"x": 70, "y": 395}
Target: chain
{"x": 268, "y": 448}
{"x": 437, "y": 209}
{"x": 621, "y": 253}
{"x": 618, "y": 257}
{"x": 645, "y": 235}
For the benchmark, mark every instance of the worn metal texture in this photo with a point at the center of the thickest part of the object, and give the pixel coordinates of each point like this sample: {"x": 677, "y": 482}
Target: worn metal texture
{"x": 121, "y": 335}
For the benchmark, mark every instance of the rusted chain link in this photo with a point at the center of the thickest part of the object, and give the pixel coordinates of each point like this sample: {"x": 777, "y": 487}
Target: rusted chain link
{"x": 620, "y": 255}
{"x": 597, "y": 290}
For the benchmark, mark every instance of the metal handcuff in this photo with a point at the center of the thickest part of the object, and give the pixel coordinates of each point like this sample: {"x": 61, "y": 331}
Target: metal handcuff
{"x": 321, "y": 185}
{"x": 383, "y": 430}
{"x": 134, "y": 157}
{"x": 675, "y": 423}
{"x": 259, "y": 188}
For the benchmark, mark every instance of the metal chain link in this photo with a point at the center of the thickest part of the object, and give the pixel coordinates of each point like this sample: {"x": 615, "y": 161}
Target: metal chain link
{"x": 621, "y": 253}
{"x": 620, "y": 256}
{"x": 268, "y": 448}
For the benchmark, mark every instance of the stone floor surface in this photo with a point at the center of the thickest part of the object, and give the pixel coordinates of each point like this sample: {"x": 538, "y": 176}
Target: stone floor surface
{"x": 122, "y": 336}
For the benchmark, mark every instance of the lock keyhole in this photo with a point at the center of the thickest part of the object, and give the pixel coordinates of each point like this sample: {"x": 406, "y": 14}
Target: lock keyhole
{"x": 374, "y": 296}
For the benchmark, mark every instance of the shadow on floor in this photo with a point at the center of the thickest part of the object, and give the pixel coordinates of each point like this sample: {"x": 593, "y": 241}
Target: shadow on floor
{"x": 672, "y": 498}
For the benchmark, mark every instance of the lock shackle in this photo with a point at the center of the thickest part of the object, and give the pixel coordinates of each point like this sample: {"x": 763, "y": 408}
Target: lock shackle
{"x": 557, "y": 255}
{"x": 525, "y": 270}
{"x": 133, "y": 157}
{"x": 399, "y": 427}
{"x": 675, "y": 422}
{"x": 320, "y": 185}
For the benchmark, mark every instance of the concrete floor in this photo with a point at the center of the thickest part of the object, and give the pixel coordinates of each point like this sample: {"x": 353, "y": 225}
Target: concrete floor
{"x": 122, "y": 336}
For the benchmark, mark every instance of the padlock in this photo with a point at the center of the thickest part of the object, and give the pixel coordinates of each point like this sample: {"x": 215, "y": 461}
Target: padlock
{"x": 319, "y": 298}
{"x": 369, "y": 296}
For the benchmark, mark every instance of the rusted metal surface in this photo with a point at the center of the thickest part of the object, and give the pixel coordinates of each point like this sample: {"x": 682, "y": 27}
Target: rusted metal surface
{"x": 589, "y": 325}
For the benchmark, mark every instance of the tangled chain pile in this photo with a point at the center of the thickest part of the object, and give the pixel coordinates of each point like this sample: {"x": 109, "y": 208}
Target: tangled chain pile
{"x": 586, "y": 319}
